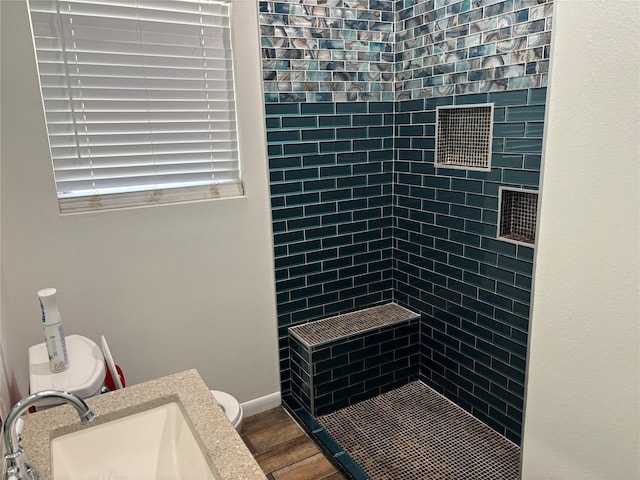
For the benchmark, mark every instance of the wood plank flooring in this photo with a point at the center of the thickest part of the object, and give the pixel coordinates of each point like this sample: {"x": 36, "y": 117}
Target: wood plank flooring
{"x": 283, "y": 450}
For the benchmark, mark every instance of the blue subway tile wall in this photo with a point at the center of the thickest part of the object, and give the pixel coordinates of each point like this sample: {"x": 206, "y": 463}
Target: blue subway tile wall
{"x": 472, "y": 289}
{"x": 356, "y": 226}
{"x": 332, "y": 202}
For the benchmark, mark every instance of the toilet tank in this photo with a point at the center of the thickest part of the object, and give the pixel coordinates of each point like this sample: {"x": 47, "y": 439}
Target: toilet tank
{"x": 84, "y": 377}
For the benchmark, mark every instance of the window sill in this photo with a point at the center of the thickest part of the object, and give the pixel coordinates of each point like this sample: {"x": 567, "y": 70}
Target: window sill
{"x": 131, "y": 200}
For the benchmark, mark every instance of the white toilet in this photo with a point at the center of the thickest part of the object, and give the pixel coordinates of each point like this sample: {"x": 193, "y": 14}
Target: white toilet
{"x": 86, "y": 375}
{"x": 230, "y": 407}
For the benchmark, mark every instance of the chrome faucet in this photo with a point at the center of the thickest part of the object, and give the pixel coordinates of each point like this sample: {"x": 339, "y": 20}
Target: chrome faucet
{"x": 18, "y": 467}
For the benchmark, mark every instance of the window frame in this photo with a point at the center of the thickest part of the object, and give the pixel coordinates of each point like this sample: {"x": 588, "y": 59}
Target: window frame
{"x": 161, "y": 196}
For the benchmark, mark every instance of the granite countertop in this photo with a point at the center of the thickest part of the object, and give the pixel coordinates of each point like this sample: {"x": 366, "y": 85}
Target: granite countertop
{"x": 226, "y": 453}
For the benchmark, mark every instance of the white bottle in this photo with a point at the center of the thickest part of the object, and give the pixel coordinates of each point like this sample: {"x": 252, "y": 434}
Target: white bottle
{"x": 53, "y": 331}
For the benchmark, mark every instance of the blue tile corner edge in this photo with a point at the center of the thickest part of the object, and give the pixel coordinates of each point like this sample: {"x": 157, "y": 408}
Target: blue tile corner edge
{"x": 321, "y": 437}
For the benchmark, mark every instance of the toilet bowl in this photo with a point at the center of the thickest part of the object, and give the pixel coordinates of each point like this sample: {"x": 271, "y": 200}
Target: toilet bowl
{"x": 231, "y": 408}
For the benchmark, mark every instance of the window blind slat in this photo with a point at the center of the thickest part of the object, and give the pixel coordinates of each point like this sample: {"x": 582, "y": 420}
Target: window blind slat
{"x": 124, "y": 106}
{"x": 131, "y": 72}
{"x": 205, "y": 139}
{"x": 188, "y": 84}
{"x": 87, "y": 12}
{"x": 65, "y": 129}
{"x": 82, "y": 150}
{"x": 138, "y": 96}
{"x": 162, "y": 11}
{"x": 181, "y": 35}
{"x": 212, "y": 25}
{"x": 108, "y": 118}
{"x": 214, "y": 48}
{"x": 60, "y": 93}
{"x": 215, "y": 7}
{"x": 87, "y": 59}
{"x": 125, "y": 176}
{"x": 53, "y": 61}
{"x": 222, "y": 162}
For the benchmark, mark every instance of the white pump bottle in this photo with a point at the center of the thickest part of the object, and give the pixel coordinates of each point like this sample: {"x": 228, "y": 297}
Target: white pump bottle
{"x": 53, "y": 331}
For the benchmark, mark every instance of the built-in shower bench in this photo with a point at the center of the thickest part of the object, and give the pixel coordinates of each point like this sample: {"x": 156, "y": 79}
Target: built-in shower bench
{"x": 344, "y": 359}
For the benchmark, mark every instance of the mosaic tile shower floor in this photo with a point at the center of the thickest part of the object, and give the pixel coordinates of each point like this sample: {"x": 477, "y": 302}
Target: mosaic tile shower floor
{"x": 413, "y": 433}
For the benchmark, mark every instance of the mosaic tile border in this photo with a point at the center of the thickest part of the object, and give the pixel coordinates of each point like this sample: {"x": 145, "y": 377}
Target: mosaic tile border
{"x": 327, "y": 50}
{"x": 448, "y": 47}
{"x": 378, "y": 50}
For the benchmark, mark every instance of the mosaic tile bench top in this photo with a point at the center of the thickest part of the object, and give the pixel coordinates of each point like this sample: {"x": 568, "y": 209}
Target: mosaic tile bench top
{"x": 379, "y": 50}
{"x": 341, "y": 326}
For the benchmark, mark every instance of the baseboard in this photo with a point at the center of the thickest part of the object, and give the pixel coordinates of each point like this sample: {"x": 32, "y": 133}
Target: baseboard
{"x": 261, "y": 404}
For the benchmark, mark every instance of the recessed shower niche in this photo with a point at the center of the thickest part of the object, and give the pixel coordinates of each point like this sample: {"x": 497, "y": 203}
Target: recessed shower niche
{"x": 463, "y": 136}
{"x": 517, "y": 215}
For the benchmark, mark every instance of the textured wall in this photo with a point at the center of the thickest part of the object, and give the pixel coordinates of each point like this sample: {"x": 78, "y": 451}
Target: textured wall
{"x": 582, "y": 417}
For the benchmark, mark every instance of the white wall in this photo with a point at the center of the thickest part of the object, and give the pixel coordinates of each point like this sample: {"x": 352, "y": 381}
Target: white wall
{"x": 582, "y": 414}
{"x": 171, "y": 287}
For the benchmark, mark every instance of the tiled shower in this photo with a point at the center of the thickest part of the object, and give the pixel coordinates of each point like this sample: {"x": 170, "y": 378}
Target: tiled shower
{"x": 361, "y": 213}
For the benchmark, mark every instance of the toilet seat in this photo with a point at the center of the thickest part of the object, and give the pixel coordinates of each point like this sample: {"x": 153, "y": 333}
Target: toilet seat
{"x": 230, "y": 406}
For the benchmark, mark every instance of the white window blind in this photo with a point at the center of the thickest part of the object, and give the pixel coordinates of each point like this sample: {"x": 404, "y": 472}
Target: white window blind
{"x": 139, "y": 100}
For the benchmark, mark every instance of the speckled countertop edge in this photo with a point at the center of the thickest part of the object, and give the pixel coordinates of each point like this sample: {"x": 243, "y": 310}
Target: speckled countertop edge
{"x": 227, "y": 454}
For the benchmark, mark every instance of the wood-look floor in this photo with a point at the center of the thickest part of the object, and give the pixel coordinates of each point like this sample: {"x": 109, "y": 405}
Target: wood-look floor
{"x": 283, "y": 450}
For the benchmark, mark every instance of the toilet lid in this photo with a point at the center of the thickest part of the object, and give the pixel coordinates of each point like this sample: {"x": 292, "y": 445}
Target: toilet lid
{"x": 229, "y": 405}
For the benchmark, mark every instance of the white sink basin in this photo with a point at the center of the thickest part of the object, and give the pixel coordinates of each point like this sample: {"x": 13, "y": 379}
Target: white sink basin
{"x": 154, "y": 444}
